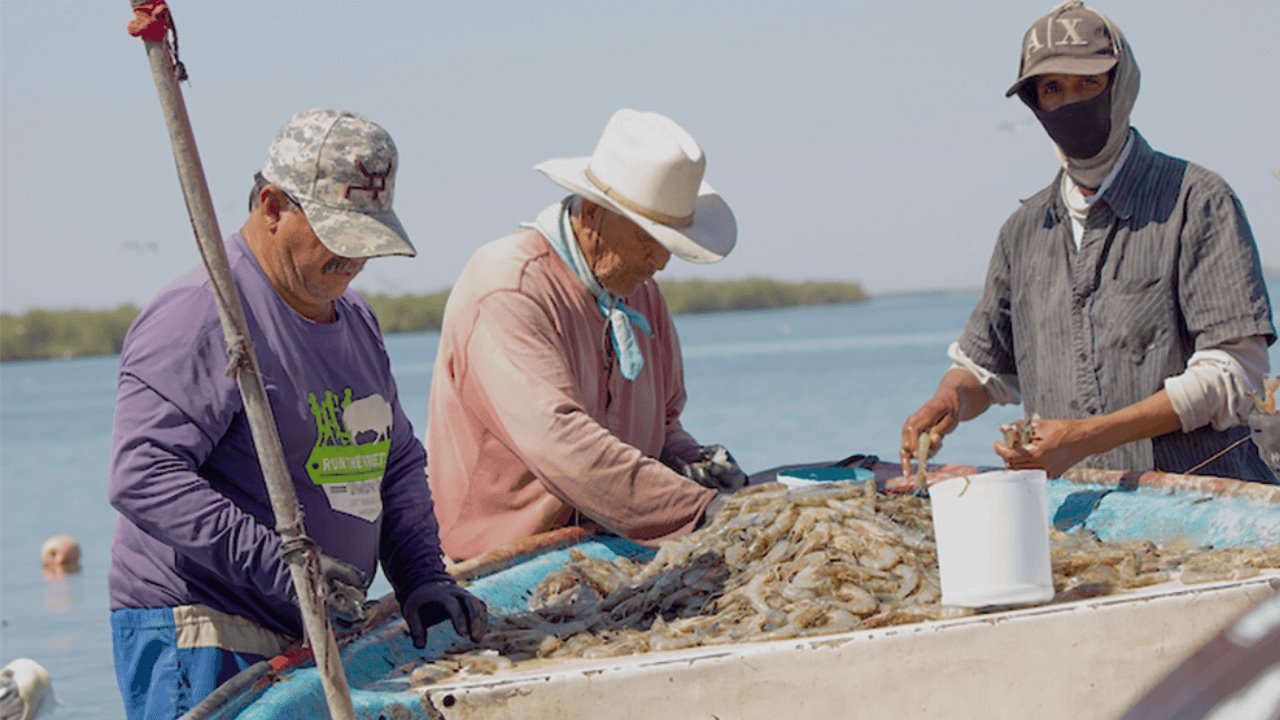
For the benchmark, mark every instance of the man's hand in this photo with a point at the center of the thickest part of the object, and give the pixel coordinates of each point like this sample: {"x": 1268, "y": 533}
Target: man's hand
{"x": 715, "y": 469}
{"x": 937, "y": 417}
{"x": 1055, "y": 446}
{"x": 429, "y": 604}
{"x": 960, "y": 396}
{"x": 345, "y": 588}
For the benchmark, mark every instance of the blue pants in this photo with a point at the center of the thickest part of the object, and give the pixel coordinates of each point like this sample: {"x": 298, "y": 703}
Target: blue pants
{"x": 159, "y": 680}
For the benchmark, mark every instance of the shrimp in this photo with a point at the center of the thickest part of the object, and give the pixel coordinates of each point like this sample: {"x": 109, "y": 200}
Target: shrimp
{"x": 922, "y": 460}
{"x": 778, "y": 563}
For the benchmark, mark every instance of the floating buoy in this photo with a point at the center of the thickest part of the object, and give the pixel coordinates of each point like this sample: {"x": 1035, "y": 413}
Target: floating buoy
{"x": 60, "y": 551}
{"x": 24, "y": 690}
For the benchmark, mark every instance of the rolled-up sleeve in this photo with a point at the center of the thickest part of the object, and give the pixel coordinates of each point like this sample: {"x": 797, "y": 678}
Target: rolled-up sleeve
{"x": 1215, "y": 388}
{"x": 1001, "y": 389}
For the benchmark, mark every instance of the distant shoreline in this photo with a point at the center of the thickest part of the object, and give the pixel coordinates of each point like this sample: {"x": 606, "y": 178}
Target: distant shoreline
{"x": 39, "y": 334}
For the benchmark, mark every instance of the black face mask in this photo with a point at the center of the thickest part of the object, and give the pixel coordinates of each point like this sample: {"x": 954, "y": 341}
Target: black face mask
{"x": 1081, "y": 129}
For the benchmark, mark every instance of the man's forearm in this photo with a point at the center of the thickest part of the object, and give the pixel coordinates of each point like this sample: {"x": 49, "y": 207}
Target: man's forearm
{"x": 1144, "y": 419}
{"x": 971, "y": 394}
{"x": 1061, "y": 443}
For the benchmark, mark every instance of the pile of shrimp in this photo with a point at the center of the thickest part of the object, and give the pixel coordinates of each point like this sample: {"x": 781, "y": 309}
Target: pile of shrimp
{"x": 780, "y": 563}
{"x": 1084, "y": 566}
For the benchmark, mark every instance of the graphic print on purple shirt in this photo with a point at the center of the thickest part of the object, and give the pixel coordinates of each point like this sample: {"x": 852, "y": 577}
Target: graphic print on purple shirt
{"x": 350, "y": 472}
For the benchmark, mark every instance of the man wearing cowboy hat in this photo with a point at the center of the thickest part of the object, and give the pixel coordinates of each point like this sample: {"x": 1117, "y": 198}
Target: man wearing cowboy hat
{"x": 558, "y": 384}
{"x": 1124, "y": 303}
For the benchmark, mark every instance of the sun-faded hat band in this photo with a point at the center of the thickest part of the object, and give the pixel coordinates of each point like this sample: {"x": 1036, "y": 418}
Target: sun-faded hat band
{"x": 649, "y": 170}
{"x": 635, "y": 207}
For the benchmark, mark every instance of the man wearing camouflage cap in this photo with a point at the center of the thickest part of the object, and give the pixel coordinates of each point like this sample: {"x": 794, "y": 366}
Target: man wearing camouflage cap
{"x": 198, "y": 589}
{"x": 1124, "y": 303}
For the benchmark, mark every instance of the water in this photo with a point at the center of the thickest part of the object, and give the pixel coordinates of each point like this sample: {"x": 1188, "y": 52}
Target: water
{"x": 775, "y": 386}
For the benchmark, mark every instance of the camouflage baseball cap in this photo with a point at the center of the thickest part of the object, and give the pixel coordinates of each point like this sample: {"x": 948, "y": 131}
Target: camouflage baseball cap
{"x": 1072, "y": 40}
{"x": 341, "y": 168}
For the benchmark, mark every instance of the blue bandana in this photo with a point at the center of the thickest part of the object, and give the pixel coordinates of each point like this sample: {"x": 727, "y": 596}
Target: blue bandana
{"x": 553, "y": 223}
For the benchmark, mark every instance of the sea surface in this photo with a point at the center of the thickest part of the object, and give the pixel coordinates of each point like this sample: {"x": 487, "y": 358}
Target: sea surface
{"x": 775, "y": 386}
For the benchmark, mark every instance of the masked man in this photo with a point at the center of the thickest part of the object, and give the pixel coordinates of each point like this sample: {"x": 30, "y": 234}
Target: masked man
{"x": 1124, "y": 303}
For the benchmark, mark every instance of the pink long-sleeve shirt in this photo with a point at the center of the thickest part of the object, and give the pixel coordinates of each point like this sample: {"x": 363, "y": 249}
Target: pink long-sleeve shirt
{"x": 530, "y": 417}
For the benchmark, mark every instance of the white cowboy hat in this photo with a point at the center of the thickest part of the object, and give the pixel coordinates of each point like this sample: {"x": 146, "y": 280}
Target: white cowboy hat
{"x": 649, "y": 170}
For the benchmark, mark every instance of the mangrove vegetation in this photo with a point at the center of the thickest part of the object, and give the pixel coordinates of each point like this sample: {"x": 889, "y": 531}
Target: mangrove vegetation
{"x": 38, "y": 334}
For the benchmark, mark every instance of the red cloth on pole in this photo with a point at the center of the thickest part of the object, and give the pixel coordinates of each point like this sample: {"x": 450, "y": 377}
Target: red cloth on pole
{"x": 150, "y": 21}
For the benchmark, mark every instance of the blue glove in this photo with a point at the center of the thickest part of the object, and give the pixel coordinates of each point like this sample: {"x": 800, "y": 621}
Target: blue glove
{"x": 432, "y": 603}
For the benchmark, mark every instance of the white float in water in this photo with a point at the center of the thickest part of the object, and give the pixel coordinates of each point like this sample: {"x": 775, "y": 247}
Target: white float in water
{"x": 25, "y": 690}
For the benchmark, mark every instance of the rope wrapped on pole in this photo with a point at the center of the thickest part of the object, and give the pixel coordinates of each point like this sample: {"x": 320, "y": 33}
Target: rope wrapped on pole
{"x": 153, "y": 23}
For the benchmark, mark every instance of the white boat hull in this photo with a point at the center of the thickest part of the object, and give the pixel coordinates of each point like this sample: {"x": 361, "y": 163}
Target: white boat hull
{"x": 1086, "y": 659}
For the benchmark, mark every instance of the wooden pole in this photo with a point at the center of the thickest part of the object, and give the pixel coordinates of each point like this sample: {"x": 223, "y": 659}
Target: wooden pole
{"x": 298, "y": 550}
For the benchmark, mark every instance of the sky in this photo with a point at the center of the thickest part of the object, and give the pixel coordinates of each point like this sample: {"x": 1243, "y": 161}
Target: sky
{"x": 855, "y": 141}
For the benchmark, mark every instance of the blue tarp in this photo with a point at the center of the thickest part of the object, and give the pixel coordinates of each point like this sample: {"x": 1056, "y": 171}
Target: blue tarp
{"x": 1119, "y": 514}
{"x": 376, "y": 663}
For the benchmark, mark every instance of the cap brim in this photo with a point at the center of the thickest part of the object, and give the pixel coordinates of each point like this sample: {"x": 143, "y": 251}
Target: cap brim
{"x": 358, "y": 235}
{"x": 1065, "y": 66}
{"x": 708, "y": 239}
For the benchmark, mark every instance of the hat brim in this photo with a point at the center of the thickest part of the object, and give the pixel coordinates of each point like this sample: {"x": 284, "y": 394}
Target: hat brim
{"x": 708, "y": 239}
{"x": 358, "y": 235}
{"x": 1065, "y": 66}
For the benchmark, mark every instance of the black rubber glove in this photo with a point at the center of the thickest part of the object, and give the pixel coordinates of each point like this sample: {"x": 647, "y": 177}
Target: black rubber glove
{"x": 431, "y": 603}
{"x": 346, "y": 587}
{"x": 715, "y": 469}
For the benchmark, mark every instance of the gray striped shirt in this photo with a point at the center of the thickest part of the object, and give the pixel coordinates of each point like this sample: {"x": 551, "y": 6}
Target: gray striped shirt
{"x": 1167, "y": 265}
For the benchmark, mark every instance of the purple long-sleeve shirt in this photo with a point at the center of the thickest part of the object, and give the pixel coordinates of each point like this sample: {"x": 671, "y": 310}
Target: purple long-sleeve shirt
{"x": 195, "y": 521}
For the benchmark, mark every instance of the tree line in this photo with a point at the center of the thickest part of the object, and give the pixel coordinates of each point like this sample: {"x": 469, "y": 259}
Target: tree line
{"x": 41, "y": 334}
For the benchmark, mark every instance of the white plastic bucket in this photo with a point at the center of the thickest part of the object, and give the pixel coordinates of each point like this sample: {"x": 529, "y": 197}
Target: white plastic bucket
{"x": 993, "y": 538}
